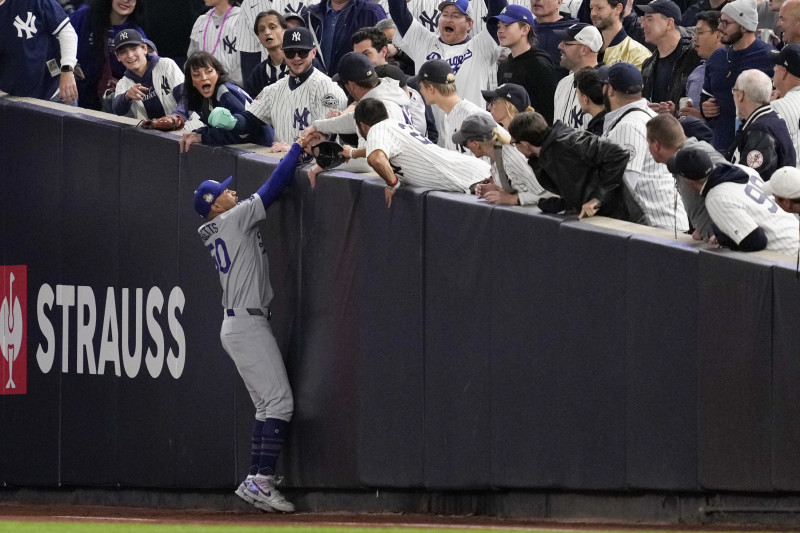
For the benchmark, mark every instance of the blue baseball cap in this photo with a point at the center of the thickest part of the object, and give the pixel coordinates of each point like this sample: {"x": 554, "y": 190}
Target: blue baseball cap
{"x": 516, "y": 94}
{"x": 462, "y": 5}
{"x": 622, "y": 77}
{"x": 668, "y": 8}
{"x": 126, "y": 37}
{"x": 356, "y": 67}
{"x": 207, "y": 193}
{"x": 514, "y": 13}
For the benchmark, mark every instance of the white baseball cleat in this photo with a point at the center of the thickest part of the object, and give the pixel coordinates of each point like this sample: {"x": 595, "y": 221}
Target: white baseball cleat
{"x": 267, "y": 497}
{"x": 243, "y": 492}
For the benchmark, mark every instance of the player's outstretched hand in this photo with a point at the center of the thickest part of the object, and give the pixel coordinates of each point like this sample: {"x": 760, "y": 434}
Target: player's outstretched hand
{"x": 188, "y": 140}
{"x": 312, "y": 175}
{"x": 388, "y": 193}
{"x": 590, "y": 208}
{"x": 221, "y": 118}
{"x": 279, "y": 147}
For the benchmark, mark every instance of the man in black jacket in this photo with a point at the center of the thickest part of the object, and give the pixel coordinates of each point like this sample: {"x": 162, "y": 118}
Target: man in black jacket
{"x": 584, "y": 170}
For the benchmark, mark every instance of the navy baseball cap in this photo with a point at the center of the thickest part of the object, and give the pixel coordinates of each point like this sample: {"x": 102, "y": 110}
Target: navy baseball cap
{"x": 436, "y": 71}
{"x": 516, "y": 94}
{"x": 462, "y": 5}
{"x": 788, "y": 58}
{"x": 298, "y": 38}
{"x": 477, "y": 127}
{"x": 697, "y": 128}
{"x": 692, "y": 163}
{"x": 126, "y": 37}
{"x": 585, "y": 34}
{"x": 295, "y": 17}
{"x": 668, "y": 8}
{"x": 207, "y": 193}
{"x": 514, "y": 13}
{"x": 391, "y": 71}
{"x": 623, "y": 77}
{"x": 356, "y": 67}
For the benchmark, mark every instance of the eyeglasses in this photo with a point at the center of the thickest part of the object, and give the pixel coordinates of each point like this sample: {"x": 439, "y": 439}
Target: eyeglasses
{"x": 735, "y": 90}
{"x": 512, "y": 142}
{"x": 565, "y": 43}
{"x": 725, "y": 23}
{"x": 291, "y": 53}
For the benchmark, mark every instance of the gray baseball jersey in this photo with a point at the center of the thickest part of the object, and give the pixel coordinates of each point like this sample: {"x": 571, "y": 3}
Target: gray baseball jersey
{"x": 417, "y": 161}
{"x": 788, "y": 108}
{"x": 219, "y": 36}
{"x": 291, "y": 108}
{"x": 739, "y": 208}
{"x": 567, "y": 108}
{"x": 451, "y": 123}
{"x": 251, "y": 8}
{"x": 652, "y": 184}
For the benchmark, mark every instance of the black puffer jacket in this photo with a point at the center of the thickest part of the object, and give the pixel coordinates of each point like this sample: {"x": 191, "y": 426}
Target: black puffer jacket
{"x": 686, "y": 63}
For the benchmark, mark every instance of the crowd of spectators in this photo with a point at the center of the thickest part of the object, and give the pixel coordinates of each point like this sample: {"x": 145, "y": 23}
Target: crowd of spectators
{"x": 578, "y": 107}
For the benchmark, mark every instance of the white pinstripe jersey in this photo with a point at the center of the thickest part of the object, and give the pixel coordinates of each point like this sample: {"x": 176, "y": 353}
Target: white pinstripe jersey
{"x": 290, "y": 111}
{"x": 427, "y": 13}
{"x": 567, "y": 108}
{"x": 451, "y": 123}
{"x": 470, "y": 60}
{"x": 520, "y": 175}
{"x": 165, "y": 76}
{"x": 739, "y": 208}
{"x": 220, "y": 39}
{"x": 651, "y": 182}
{"x": 788, "y": 108}
{"x": 251, "y": 8}
{"x": 417, "y": 161}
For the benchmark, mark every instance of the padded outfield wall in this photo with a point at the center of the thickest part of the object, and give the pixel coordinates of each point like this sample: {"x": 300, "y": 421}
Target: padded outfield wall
{"x": 444, "y": 344}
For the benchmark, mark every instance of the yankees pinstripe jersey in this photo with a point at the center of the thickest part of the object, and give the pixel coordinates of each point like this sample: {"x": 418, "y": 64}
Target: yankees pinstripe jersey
{"x": 219, "y": 37}
{"x": 567, "y": 108}
{"x": 293, "y": 103}
{"x": 427, "y": 13}
{"x": 470, "y": 60}
{"x": 163, "y": 78}
{"x": 652, "y": 184}
{"x": 417, "y": 110}
{"x": 788, "y": 108}
{"x": 739, "y": 208}
{"x": 451, "y": 123}
{"x": 248, "y": 42}
{"x": 417, "y": 161}
{"x": 520, "y": 175}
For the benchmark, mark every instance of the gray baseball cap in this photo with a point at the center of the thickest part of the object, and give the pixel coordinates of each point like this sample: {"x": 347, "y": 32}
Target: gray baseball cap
{"x": 477, "y": 127}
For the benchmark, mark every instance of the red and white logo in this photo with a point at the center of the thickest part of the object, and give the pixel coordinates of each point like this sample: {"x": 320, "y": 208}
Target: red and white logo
{"x": 13, "y": 329}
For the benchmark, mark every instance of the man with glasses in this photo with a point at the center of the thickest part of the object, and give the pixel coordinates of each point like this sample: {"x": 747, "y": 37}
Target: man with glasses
{"x": 294, "y": 102}
{"x": 705, "y": 41}
{"x": 737, "y": 25}
{"x": 579, "y": 46}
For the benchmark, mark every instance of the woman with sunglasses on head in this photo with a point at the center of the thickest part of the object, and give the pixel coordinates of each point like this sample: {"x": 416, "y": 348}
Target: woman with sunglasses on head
{"x": 208, "y": 88}
{"x": 506, "y": 101}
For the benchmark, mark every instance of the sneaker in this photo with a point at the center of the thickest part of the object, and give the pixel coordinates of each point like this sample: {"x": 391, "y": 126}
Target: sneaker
{"x": 243, "y": 492}
{"x": 267, "y": 497}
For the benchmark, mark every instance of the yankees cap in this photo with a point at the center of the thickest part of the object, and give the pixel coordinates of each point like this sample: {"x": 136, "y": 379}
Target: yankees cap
{"x": 583, "y": 33}
{"x": 126, "y": 37}
{"x": 623, "y": 77}
{"x": 436, "y": 71}
{"x": 788, "y": 58}
{"x": 462, "y": 5}
{"x": 692, "y": 163}
{"x": 477, "y": 127}
{"x": 785, "y": 182}
{"x": 514, "y": 13}
{"x": 356, "y": 67}
{"x": 516, "y": 94}
{"x": 298, "y": 39}
{"x": 207, "y": 193}
{"x": 668, "y": 8}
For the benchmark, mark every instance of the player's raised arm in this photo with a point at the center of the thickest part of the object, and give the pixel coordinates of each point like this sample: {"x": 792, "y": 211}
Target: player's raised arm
{"x": 281, "y": 176}
{"x": 398, "y": 11}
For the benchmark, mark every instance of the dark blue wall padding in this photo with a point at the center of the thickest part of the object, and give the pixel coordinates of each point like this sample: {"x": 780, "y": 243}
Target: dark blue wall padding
{"x": 391, "y": 365}
{"x": 457, "y": 345}
{"x": 31, "y": 215}
{"x": 323, "y": 447}
{"x": 786, "y": 378}
{"x": 523, "y": 279}
{"x": 590, "y": 398}
{"x": 661, "y": 371}
{"x": 90, "y": 241}
{"x": 734, "y": 367}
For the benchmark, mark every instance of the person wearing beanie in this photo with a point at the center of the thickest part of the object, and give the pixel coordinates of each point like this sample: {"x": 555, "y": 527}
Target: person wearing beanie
{"x": 743, "y": 51}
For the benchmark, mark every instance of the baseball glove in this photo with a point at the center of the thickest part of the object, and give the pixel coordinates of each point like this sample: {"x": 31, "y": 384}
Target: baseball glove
{"x": 167, "y": 123}
{"x": 327, "y": 154}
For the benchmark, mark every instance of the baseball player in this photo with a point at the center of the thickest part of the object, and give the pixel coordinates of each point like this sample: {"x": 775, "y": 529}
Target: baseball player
{"x": 787, "y": 83}
{"x": 152, "y": 86}
{"x": 745, "y": 217}
{"x": 291, "y": 104}
{"x": 28, "y": 66}
{"x": 579, "y": 46}
{"x": 401, "y": 155}
{"x": 231, "y": 234}
{"x": 217, "y": 32}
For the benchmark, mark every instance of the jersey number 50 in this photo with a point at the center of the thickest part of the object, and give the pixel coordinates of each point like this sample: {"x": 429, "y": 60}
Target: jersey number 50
{"x": 219, "y": 253}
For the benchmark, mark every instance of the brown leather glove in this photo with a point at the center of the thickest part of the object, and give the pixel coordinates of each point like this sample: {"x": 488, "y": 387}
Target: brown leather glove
{"x": 167, "y": 123}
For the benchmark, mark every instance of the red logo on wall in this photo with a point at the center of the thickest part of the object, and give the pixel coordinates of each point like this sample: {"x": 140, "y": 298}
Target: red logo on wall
{"x": 13, "y": 329}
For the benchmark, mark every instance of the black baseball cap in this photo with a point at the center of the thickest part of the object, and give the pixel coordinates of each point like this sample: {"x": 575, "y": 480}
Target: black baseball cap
{"x": 436, "y": 71}
{"x": 692, "y": 163}
{"x": 126, "y": 37}
{"x": 477, "y": 127}
{"x": 392, "y": 71}
{"x": 668, "y": 8}
{"x": 356, "y": 67}
{"x": 296, "y": 18}
{"x": 622, "y": 77}
{"x": 327, "y": 155}
{"x": 516, "y": 94}
{"x": 788, "y": 58}
{"x": 298, "y": 38}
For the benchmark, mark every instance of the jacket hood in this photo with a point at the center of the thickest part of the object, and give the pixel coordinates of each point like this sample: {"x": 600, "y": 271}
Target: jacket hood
{"x": 725, "y": 173}
{"x": 389, "y": 89}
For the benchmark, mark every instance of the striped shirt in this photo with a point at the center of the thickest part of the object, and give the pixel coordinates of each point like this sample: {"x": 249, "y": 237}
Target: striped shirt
{"x": 520, "y": 175}
{"x": 451, "y": 123}
{"x": 417, "y": 161}
{"x": 220, "y": 38}
{"x": 788, "y": 107}
{"x": 427, "y": 13}
{"x": 652, "y": 184}
{"x": 251, "y": 8}
{"x": 292, "y": 104}
{"x": 567, "y": 108}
